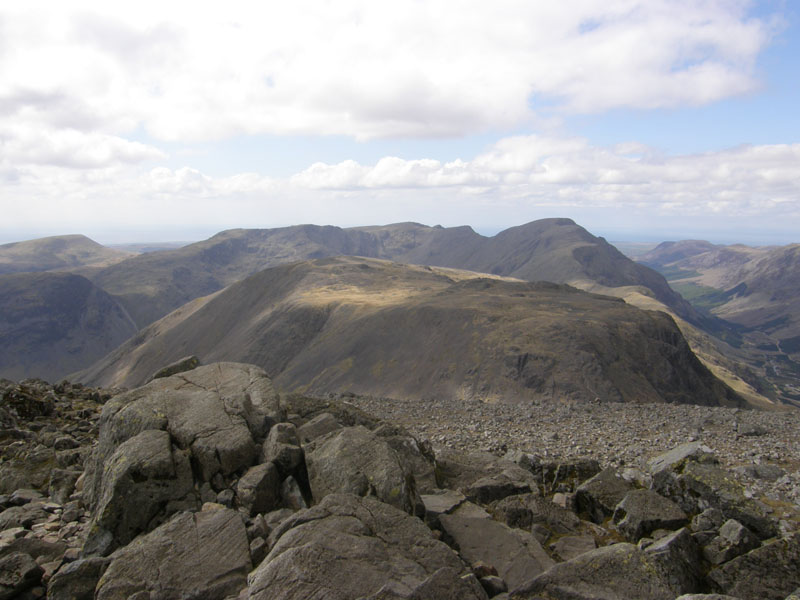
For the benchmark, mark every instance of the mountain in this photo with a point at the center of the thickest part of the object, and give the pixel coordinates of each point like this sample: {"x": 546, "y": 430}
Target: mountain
{"x": 374, "y": 327}
{"x": 755, "y": 289}
{"x": 556, "y": 250}
{"x": 64, "y": 252}
{"x": 54, "y": 323}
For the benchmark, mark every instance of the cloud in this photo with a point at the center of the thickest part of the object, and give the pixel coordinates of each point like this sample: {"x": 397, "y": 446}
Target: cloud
{"x": 518, "y": 179}
{"x": 367, "y": 69}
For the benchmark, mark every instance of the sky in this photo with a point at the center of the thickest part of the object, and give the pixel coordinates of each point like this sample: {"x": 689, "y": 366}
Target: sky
{"x": 642, "y": 120}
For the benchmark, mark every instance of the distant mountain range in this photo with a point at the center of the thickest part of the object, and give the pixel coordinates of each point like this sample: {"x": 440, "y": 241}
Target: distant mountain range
{"x": 557, "y": 250}
{"x": 755, "y": 289}
{"x": 59, "y": 253}
{"x": 741, "y": 320}
{"x": 380, "y": 328}
{"x": 52, "y": 324}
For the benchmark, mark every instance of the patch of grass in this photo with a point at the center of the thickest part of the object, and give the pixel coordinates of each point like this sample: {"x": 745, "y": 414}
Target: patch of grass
{"x": 701, "y": 296}
{"x": 673, "y": 273}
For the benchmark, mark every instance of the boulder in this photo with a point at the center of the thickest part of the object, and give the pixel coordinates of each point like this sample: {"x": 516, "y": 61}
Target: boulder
{"x": 62, "y": 484}
{"x": 566, "y": 475}
{"x": 203, "y": 555}
{"x": 515, "y": 554}
{"x": 353, "y": 547}
{"x": 416, "y": 457}
{"x": 18, "y": 572}
{"x": 529, "y": 511}
{"x": 259, "y": 489}
{"x": 317, "y": 427}
{"x": 219, "y": 414}
{"x": 22, "y": 516}
{"x": 698, "y": 486}
{"x": 570, "y": 546}
{"x": 677, "y": 557}
{"x": 598, "y": 496}
{"x": 483, "y": 477}
{"x": 442, "y": 503}
{"x": 187, "y": 363}
{"x": 643, "y": 511}
{"x": 354, "y": 460}
{"x": 616, "y": 572}
{"x": 734, "y": 539}
{"x": 282, "y": 447}
{"x": 675, "y": 459}
{"x": 77, "y": 580}
{"x": 769, "y": 572}
{"x": 143, "y": 482}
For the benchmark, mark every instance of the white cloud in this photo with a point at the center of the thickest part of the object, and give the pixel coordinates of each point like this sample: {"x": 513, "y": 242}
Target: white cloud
{"x": 362, "y": 68}
{"x": 514, "y": 181}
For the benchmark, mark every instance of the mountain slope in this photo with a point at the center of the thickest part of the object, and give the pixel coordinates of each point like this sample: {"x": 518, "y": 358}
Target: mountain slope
{"x": 62, "y": 252}
{"x": 378, "y": 328}
{"x": 54, "y": 323}
{"x": 555, "y": 250}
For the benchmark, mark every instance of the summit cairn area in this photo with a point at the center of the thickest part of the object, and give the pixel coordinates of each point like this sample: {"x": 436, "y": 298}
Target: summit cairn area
{"x": 207, "y": 484}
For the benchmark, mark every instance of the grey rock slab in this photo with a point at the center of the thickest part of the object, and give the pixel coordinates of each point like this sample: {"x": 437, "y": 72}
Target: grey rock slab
{"x": 483, "y": 477}
{"x": 769, "y": 572}
{"x": 258, "y": 490}
{"x": 416, "y": 457}
{"x": 677, "y": 457}
{"x": 317, "y": 427}
{"x": 203, "y": 555}
{"x": 643, "y": 511}
{"x": 515, "y": 554}
{"x": 354, "y": 460}
{"x": 678, "y": 557}
{"x": 352, "y": 547}
{"x": 441, "y": 503}
{"x": 570, "y": 546}
{"x": 187, "y": 363}
{"x": 616, "y": 572}
{"x": 140, "y": 480}
{"x": 795, "y": 595}
{"x": 706, "y": 597}
{"x": 599, "y": 496}
{"x": 734, "y": 539}
{"x": 77, "y": 580}
{"x": 282, "y": 447}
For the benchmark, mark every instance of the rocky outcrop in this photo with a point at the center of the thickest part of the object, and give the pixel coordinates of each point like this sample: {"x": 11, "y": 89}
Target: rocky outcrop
{"x": 353, "y": 547}
{"x": 207, "y": 485}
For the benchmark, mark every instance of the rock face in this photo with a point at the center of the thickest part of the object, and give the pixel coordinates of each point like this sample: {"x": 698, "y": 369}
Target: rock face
{"x": 52, "y": 324}
{"x": 200, "y": 555}
{"x": 207, "y": 485}
{"x": 204, "y": 425}
{"x": 356, "y": 461}
{"x": 352, "y": 547}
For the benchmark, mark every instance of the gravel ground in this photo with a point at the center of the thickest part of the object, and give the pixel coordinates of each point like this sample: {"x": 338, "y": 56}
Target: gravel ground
{"x": 614, "y": 434}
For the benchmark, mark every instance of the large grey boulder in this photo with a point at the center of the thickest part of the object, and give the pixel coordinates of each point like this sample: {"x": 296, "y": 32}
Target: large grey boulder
{"x": 675, "y": 459}
{"x": 259, "y": 489}
{"x": 351, "y": 547}
{"x": 18, "y": 572}
{"x": 220, "y": 414}
{"x": 204, "y": 556}
{"x": 354, "y": 460}
{"x": 515, "y": 554}
{"x": 598, "y": 496}
{"x": 616, "y": 572}
{"x": 143, "y": 481}
{"x": 734, "y": 539}
{"x": 643, "y": 511}
{"x": 483, "y": 477}
{"x": 77, "y": 580}
{"x": 282, "y": 447}
{"x": 769, "y": 572}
